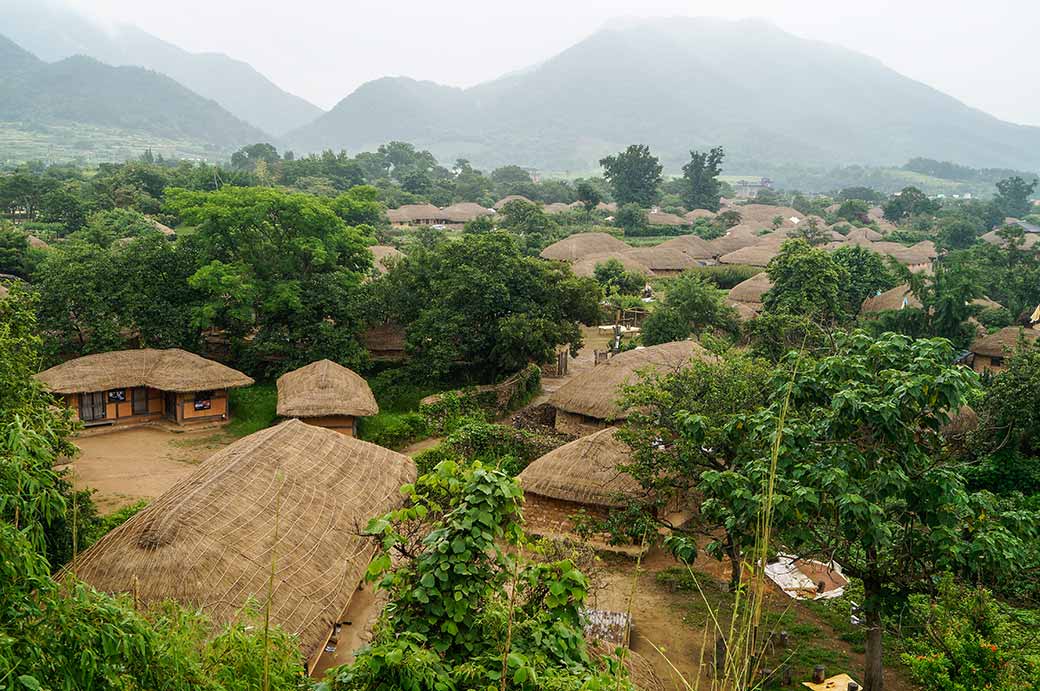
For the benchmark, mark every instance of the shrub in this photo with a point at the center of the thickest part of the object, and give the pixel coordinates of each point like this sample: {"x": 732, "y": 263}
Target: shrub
{"x": 726, "y": 276}
{"x": 394, "y": 430}
{"x": 995, "y": 317}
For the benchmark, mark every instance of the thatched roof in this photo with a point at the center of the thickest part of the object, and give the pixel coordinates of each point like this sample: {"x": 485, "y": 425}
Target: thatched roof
{"x": 752, "y": 290}
{"x": 584, "y": 471}
{"x": 383, "y": 255}
{"x": 698, "y": 213}
{"x": 210, "y": 540}
{"x": 756, "y": 255}
{"x": 172, "y": 369}
{"x": 36, "y": 243}
{"x": 921, "y": 253}
{"x": 663, "y": 218}
{"x": 986, "y": 303}
{"x": 163, "y": 228}
{"x": 897, "y": 298}
{"x": 557, "y": 208}
{"x": 511, "y": 198}
{"x": 410, "y": 213}
{"x": 746, "y": 311}
{"x": 607, "y": 206}
{"x": 324, "y": 388}
{"x": 662, "y": 258}
{"x": 868, "y": 234}
{"x": 582, "y": 245}
{"x": 594, "y": 391}
{"x": 1003, "y": 342}
{"x": 696, "y": 247}
{"x": 743, "y": 235}
{"x": 763, "y": 214}
{"x": 964, "y": 421}
{"x": 383, "y": 337}
{"x": 463, "y": 212}
{"x": 992, "y": 237}
{"x": 587, "y": 266}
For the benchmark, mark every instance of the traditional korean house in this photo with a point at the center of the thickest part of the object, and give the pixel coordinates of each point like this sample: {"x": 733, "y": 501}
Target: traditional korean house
{"x": 326, "y": 394}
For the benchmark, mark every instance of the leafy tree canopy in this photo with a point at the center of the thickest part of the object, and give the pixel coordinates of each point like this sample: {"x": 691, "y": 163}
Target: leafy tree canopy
{"x": 634, "y": 175}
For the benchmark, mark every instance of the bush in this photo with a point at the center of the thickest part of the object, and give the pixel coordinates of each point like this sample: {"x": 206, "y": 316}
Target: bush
{"x": 444, "y": 412}
{"x": 726, "y": 276}
{"x": 995, "y": 317}
{"x": 393, "y": 430}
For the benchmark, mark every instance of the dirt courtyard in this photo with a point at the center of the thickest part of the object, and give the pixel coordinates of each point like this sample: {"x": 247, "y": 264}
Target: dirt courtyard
{"x": 141, "y": 463}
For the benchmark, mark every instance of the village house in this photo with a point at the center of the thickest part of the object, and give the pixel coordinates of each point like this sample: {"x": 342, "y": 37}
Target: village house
{"x": 384, "y": 342}
{"x": 747, "y": 296}
{"x": 581, "y": 245}
{"x": 588, "y": 402}
{"x": 663, "y": 261}
{"x": 416, "y": 215}
{"x": 989, "y": 352}
{"x": 293, "y": 498}
{"x": 134, "y": 386}
{"x": 383, "y": 256}
{"x": 587, "y": 266}
{"x": 326, "y": 394}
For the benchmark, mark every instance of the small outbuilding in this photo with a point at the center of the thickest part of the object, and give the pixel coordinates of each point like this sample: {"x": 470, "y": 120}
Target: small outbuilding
{"x": 898, "y": 298}
{"x": 277, "y": 515}
{"x": 693, "y": 245}
{"x": 663, "y": 261}
{"x": 383, "y": 256}
{"x": 581, "y": 245}
{"x": 326, "y": 394}
{"x": 989, "y": 352}
{"x": 135, "y": 386}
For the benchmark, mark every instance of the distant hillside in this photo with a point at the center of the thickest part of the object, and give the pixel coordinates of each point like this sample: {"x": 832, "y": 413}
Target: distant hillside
{"x": 769, "y": 97}
{"x": 80, "y": 91}
{"x": 53, "y": 32}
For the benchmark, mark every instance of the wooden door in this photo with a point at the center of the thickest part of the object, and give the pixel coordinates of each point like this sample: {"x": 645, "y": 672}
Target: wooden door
{"x": 92, "y": 406}
{"x": 170, "y": 406}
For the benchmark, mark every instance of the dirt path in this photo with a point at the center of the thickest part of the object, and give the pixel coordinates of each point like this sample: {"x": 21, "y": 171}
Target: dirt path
{"x": 128, "y": 465}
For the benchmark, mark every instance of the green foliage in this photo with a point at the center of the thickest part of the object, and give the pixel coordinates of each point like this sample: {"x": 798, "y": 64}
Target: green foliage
{"x": 1009, "y": 414}
{"x": 854, "y": 211}
{"x": 446, "y": 411}
{"x": 700, "y": 188}
{"x": 529, "y": 222}
{"x": 394, "y": 430}
{"x": 866, "y": 274}
{"x": 725, "y": 276}
{"x": 15, "y": 256}
{"x": 1013, "y": 196}
{"x": 612, "y": 277}
{"x": 495, "y": 446}
{"x": 691, "y": 305}
{"x": 588, "y": 195}
{"x": 634, "y": 176}
{"x": 907, "y": 203}
{"x": 631, "y": 218}
{"x": 772, "y": 336}
{"x": 807, "y": 282}
{"x": 253, "y": 408}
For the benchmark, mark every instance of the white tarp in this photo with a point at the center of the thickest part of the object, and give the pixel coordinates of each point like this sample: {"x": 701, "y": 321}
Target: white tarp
{"x": 800, "y": 578}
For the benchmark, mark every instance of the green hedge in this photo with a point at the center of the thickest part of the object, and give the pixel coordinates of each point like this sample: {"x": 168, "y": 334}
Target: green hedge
{"x": 443, "y": 411}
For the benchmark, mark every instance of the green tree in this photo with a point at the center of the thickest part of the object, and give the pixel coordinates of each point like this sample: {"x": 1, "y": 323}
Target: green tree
{"x": 700, "y": 188}
{"x": 957, "y": 233}
{"x": 812, "y": 233}
{"x": 360, "y": 206}
{"x": 854, "y": 211}
{"x": 806, "y": 281}
{"x": 634, "y": 175}
{"x": 909, "y": 202}
{"x": 612, "y": 277}
{"x": 867, "y": 275}
{"x": 15, "y": 255}
{"x": 1013, "y": 196}
{"x": 691, "y": 305}
{"x": 248, "y": 157}
{"x": 530, "y": 222}
{"x": 588, "y": 196}
{"x": 631, "y": 217}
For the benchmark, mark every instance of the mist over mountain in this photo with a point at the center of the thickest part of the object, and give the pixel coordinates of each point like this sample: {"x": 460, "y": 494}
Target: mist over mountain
{"x": 81, "y": 91}
{"x": 766, "y": 95}
{"x": 53, "y": 32}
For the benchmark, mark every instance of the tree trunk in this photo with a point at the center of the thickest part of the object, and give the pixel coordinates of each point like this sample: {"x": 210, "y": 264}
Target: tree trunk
{"x": 734, "y": 565}
{"x": 873, "y": 677}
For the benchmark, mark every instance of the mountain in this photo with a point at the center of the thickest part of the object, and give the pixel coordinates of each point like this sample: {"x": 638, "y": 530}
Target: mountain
{"x": 85, "y": 94}
{"x": 676, "y": 84}
{"x": 54, "y": 32}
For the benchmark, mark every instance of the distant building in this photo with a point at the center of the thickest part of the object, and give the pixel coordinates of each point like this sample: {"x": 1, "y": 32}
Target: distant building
{"x": 751, "y": 187}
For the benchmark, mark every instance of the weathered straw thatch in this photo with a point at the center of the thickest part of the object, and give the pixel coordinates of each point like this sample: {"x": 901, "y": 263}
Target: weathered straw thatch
{"x": 698, "y": 213}
{"x": 746, "y": 311}
{"x": 1005, "y": 341}
{"x": 763, "y": 214}
{"x": 743, "y": 235}
{"x": 897, "y": 298}
{"x": 986, "y": 303}
{"x": 595, "y": 391}
{"x": 756, "y": 255}
{"x": 172, "y": 369}
{"x": 993, "y": 237}
{"x": 383, "y": 338}
{"x": 584, "y": 471}
{"x": 163, "y": 228}
{"x": 921, "y": 253}
{"x": 385, "y": 254}
{"x": 587, "y": 266}
{"x": 324, "y": 388}
{"x": 511, "y": 198}
{"x": 662, "y": 259}
{"x": 36, "y": 243}
{"x": 583, "y": 245}
{"x": 463, "y": 212}
{"x": 3, "y": 291}
{"x": 868, "y": 234}
{"x": 966, "y": 420}
{"x": 696, "y": 247}
{"x": 610, "y": 207}
{"x": 556, "y": 208}
{"x": 415, "y": 213}
{"x": 752, "y": 290}
{"x": 292, "y": 496}
{"x": 663, "y": 218}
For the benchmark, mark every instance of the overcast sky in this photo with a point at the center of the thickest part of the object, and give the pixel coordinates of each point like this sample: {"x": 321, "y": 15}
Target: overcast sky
{"x": 980, "y": 52}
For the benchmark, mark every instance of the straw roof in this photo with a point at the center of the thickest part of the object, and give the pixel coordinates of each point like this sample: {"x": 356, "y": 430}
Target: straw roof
{"x": 965, "y": 420}
{"x": 992, "y": 237}
{"x": 209, "y": 540}
{"x": 607, "y": 206}
{"x": 662, "y": 259}
{"x": 698, "y": 213}
{"x": 410, "y": 213}
{"x": 163, "y": 228}
{"x": 746, "y": 311}
{"x": 324, "y": 388}
{"x": 584, "y": 471}
{"x": 986, "y": 303}
{"x": 663, "y": 218}
{"x": 752, "y": 290}
{"x": 743, "y": 235}
{"x": 696, "y": 247}
{"x": 921, "y": 253}
{"x": 867, "y": 234}
{"x": 172, "y": 369}
{"x": 763, "y": 214}
{"x": 756, "y": 255}
{"x": 582, "y": 245}
{"x": 1005, "y": 341}
{"x": 464, "y": 212}
{"x": 511, "y": 198}
{"x": 556, "y": 208}
{"x": 386, "y": 336}
{"x": 383, "y": 253}
{"x": 587, "y": 265}
{"x": 897, "y": 298}
{"x": 37, "y": 243}
{"x": 594, "y": 391}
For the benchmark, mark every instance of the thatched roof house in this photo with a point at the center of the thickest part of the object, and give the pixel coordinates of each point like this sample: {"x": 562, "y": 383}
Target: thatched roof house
{"x": 511, "y": 198}
{"x": 738, "y": 236}
{"x": 587, "y": 266}
{"x": 752, "y": 290}
{"x": 763, "y": 214}
{"x": 292, "y": 498}
{"x": 136, "y": 386}
{"x": 384, "y": 255}
{"x": 326, "y": 394}
{"x": 557, "y": 208}
{"x": 897, "y": 298}
{"x": 416, "y": 214}
{"x": 36, "y": 243}
{"x": 993, "y": 237}
{"x": 989, "y": 352}
{"x": 693, "y": 245}
{"x": 464, "y": 212}
{"x": 692, "y": 216}
{"x": 756, "y": 255}
{"x": 868, "y": 234}
{"x": 916, "y": 257}
{"x": 384, "y": 342}
{"x": 163, "y": 228}
{"x": 582, "y": 245}
{"x": 588, "y": 401}
{"x": 663, "y": 261}
{"x": 746, "y": 311}
{"x": 609, "y": 207}
{"x": 663, "y": 218}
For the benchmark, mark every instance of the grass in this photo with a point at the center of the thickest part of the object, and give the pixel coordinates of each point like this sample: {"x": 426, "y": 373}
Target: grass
{"x": 252, "y": 409}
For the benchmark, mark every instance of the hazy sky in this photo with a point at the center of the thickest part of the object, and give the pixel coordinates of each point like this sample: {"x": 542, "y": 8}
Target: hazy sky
{"x": 980, "y": 52}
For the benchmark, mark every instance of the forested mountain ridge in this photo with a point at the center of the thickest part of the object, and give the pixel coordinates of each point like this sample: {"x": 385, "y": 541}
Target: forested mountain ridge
{"x": 765, "y": 95}
{"x": 54, "y": 33}
{"x": 81, "y": 90}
